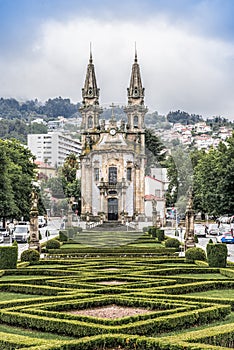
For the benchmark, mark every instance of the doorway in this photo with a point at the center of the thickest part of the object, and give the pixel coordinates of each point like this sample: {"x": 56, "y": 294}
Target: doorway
{"x": 112, "y": 209}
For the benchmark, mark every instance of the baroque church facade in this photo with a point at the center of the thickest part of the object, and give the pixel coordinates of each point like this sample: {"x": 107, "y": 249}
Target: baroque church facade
{"x": 113, "y": 154}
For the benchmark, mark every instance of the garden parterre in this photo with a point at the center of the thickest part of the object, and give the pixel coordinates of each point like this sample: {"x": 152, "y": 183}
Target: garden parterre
{"x": 161, "y": 285}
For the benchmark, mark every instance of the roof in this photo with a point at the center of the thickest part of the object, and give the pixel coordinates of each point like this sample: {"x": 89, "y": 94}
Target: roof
{"x": 150, "y": 197}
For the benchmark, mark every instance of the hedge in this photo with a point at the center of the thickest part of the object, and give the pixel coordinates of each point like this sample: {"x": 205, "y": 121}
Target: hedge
{"x": 149, "y": 327}
{"x": 216, "y": 255}
{"x": 30, "y": 255}
{"x": 8, "y": 257}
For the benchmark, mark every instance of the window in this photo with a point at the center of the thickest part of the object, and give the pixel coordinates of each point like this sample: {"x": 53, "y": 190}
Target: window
{"x": 96, "y": 174}
{"x": 157, "y": 193}
{"x": 90, "y": 122}
{"x": 112, "y": 175}
{"x": 129, "y": 174}
{"x": 135, "y": 121}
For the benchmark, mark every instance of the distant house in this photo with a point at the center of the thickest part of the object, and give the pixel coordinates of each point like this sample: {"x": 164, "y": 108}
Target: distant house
{"x": 45, "y": 171}
{"x": 155, "y": 188}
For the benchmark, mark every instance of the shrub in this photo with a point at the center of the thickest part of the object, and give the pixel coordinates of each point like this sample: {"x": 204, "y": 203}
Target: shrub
{"x": 216, "y": 255}
{"x": 160, "y": 235}
{"x": 210, "y": 241}
{"x": 63, "y": 235}
{"x": 40, "y": 236}
{"x": 193, "y": 254}
{"x": 8, "y": 257}
{"x": 195, "y": 239}
{"x": 153, "y": 231}
{"x": 30, "y": 255}
{"x": 15, "y": 244}
{"x": 172, "y": 243}
{"x": 53, "y": 244}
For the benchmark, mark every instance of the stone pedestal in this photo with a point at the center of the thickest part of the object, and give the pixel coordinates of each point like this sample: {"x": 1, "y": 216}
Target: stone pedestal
{"x": 189, "y": 223}
{"x": 34, "y": 232}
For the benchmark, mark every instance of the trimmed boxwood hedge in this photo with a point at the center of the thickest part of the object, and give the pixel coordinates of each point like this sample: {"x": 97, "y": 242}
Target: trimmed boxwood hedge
{"x": 8, "y": 257}
{"x": 216, "y": 255}
{"x": 195, "y": 253}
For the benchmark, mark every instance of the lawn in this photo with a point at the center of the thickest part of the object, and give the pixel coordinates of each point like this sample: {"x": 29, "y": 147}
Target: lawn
{"x": 46, "y": 320}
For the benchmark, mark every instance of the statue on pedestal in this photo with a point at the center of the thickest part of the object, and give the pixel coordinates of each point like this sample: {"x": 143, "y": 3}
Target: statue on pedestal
{"x": 189, "y": 222}
{"x": 34, "y": 232}
{"x": 154, "y": 212}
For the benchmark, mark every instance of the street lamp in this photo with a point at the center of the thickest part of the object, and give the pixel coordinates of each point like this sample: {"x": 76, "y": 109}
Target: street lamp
{"x": 48, "y": 214}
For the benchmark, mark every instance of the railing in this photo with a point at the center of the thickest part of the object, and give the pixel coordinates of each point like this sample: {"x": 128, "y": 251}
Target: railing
{"x": 90, "y": 225}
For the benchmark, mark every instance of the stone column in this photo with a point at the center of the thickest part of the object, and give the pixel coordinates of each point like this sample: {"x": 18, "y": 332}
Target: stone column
{"x": 154, "y": 213}
{"x": 189, "y": 223}
{"x": 70, "y": 212}
{"x": 34, "y": 232}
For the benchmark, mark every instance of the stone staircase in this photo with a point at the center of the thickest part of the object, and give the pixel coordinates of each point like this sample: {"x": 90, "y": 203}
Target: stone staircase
{"x": 111, "y": 226}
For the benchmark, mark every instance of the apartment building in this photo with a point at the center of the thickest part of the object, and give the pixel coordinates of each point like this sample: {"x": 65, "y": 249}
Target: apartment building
{"x": 53, "y": 148}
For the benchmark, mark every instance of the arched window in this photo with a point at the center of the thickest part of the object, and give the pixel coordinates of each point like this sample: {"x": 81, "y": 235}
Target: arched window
{"x": 129, "y": 174}
{"x": 90, "y": 122}
{"x": 96, "y": 174}
{"x": 135, "y": 121}
{"x": 112, "y": 175}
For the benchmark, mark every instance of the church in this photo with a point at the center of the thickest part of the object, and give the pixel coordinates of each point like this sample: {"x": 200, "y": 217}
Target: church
{"x": 113, "y": 154}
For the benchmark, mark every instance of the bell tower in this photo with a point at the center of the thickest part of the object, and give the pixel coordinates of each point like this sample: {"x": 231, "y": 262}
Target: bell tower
{"x": 90, "y": 109}
{"x": 136, "y": 109}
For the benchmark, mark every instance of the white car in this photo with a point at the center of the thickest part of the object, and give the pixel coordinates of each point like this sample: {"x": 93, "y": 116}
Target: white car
{"x": 200, "y": 231}
{"x": 213, "y": 229}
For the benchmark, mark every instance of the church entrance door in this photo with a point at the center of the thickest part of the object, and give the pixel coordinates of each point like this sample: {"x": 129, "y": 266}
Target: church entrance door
{"x": 112, "y": 209}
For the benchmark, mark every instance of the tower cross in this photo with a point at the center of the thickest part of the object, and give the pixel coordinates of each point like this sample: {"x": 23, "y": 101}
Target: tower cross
{"x": 112, "y": 113}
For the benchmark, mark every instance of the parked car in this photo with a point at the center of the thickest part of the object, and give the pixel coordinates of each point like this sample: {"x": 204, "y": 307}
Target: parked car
{"x": 213, "y": 229}
{"x": 4, "y": 232}
{"x": 41, "y": 221}
{"x": 227, "y": 237}
{"x": 21, "y": 233}
{"x": 200, "y": 231}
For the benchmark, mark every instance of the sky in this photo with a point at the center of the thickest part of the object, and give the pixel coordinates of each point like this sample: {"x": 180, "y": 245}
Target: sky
{"x": 185, "y": 50}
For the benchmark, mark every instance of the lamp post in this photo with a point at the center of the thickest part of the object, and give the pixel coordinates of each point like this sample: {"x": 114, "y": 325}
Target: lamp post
{"x": 48, "y": 214}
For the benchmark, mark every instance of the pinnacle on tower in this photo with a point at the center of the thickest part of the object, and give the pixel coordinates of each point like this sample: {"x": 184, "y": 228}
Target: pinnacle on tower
{"x": 90, "y": 92}
{"x": 135, "y": 90}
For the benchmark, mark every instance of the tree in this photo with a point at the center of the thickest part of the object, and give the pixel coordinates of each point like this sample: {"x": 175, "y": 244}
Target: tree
{"x": 180, "y": 174}
{"x": 214, "y": 180}
{"x": 21, "y": 173}
{"x": 7, "y": 204}
{"x": 155, "y": 150}
{"x": 71, "y": 185}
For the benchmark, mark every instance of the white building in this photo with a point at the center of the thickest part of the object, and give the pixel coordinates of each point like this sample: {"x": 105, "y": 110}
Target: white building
{"x": 155, "y": 187}
{"x": 53, "y": 148}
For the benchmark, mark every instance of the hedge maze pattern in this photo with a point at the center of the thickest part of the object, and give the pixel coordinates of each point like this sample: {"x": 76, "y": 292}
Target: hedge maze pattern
{"x": 44, "y": 294}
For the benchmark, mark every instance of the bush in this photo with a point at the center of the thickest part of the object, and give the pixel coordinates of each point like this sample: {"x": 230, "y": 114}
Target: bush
{"x": 160, "y": 235}
{"x": 53, "y": 244}
{"x": 8, "y": 257}
{"x": 15, "y": 244}
{"x": 193, "y": 254}
{"x": 40, "y": 236}
{"x": 30, "y": 255}
{"x": 195, "y": 239}
{"x": 172, "y": 243}
{"x": 216, "y": 255}
{"x": 63, "y": 236}
{"x": 153, "y": 231}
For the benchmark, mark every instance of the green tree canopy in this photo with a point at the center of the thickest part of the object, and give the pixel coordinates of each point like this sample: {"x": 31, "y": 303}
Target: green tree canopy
{"x": 17, "y": 171}
{"x": 214, "y": 180}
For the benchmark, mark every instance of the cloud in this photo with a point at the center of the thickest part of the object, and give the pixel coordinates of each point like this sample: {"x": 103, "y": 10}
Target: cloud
{"x": 180, "y": 69}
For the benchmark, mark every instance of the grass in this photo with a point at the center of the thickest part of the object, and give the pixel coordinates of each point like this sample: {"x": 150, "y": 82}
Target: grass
{"x": 99, "y": 268}
{"x": 5, "y": 296}
{"x": 207, "y": 276}
{"x": 220, "y": 293}
{"x": 19, "y": 277}
{"x": 228, "y": 319}
{"x": 32, "y": 334}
